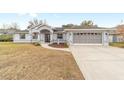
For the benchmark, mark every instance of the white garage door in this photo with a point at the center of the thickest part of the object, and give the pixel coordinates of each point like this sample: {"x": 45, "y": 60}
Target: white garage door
{"x": 87, "y": 38}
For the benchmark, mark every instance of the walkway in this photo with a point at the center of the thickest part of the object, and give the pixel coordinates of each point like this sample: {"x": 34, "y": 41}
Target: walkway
{"x": 61, "y": 49}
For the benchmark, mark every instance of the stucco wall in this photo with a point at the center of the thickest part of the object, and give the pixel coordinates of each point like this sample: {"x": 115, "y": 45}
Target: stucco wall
{"x": 110, "y": 38}
{"x": 17, "y": 39}
{"x": 105, "y": 38}
{"x": 116, "y": 38}
{"x": 55, "y": 39}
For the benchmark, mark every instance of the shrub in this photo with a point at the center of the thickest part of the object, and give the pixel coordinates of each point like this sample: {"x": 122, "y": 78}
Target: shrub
{"x": 36, "y": 44}
{"x": 6, "y": 38}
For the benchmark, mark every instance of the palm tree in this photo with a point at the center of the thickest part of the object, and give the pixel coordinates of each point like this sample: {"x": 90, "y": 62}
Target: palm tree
{"x": 34, "y": 22}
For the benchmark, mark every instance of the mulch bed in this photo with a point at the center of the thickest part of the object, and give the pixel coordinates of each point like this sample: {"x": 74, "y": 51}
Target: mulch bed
{"x": 61, "y": 45}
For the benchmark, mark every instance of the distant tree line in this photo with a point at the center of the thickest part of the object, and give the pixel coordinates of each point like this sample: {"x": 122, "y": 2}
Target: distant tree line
{"x": 5, "y": 28}
{"x": 11, "y": 26}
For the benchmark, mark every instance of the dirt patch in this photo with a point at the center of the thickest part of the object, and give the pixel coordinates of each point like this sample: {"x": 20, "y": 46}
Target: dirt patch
{"x": 29, "y": 62}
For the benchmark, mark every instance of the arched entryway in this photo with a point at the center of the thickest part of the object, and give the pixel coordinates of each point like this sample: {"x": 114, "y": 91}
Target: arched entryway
{"x": 46, "y": 35}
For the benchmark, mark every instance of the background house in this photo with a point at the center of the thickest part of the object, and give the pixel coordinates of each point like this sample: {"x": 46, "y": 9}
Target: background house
{"x": 117, "y": 35}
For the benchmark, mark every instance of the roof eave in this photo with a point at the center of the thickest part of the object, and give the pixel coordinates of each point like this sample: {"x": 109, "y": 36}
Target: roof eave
{"x": 90, "y": 29}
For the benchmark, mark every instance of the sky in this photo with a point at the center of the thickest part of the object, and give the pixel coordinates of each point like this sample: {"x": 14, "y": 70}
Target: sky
{"x": 58, "y": 19}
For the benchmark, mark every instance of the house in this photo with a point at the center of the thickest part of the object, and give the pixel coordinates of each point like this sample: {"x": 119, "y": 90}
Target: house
{"x": 47, "y": 34}
{"x": 7, "y": 31}
{"x": 117, "y": 35}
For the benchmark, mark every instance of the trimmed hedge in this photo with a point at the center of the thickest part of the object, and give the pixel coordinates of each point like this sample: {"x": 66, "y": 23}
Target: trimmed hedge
{"x": 6, "y": 38}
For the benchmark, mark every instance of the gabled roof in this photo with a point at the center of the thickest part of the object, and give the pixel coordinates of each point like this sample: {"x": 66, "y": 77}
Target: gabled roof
{"x": 42, "y": 26}
{"x": 56, "y": 29}
{"x": 22, "y": 31}
{"x": 7, "y": 31}
{"x": 84, "y": 27}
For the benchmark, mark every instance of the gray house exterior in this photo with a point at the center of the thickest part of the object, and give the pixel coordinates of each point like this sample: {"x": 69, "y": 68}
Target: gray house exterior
{"x": 47, "y": 34}
{"x": 7, "y": 31}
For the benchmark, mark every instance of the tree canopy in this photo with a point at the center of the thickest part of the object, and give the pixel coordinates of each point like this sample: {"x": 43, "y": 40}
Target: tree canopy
{"x": 14, "y": 26}
{"x": 34, "y": 22}
{"x": 84, "y": 24}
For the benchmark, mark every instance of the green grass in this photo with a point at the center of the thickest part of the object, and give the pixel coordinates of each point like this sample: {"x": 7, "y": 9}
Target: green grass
{"x": 117, "y": 44}
{"x": 6, "y": 43}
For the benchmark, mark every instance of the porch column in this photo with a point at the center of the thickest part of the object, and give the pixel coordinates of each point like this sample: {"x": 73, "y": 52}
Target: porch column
{"x": 51, "y": 37}
{"x": 39, "y": 37}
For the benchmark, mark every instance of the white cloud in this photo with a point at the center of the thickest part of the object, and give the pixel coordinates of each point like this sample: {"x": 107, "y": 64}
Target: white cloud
{"x": 33, "y": 14}
{"x": 21, "y": 14}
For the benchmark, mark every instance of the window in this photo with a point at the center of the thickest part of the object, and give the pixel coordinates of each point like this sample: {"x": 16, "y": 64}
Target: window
{"x": 75, "y": 33}
{"x": 35, "y": 35}
{"x": 60, "y": 36}
{"x": 78, "y": 33}
{"x": 92, "y": 33}
{"x": 81, "y": 33}
{"x": 22, "y": 36}
{"x": 95, "y": 33}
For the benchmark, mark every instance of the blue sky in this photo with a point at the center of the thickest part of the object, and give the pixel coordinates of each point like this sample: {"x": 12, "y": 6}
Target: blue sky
{"x": 57, "y": 19}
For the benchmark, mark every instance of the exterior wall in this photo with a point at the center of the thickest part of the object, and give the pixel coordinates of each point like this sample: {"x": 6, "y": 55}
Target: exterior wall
{"x": 69, "y": 38}
{"x": 56, "y": 40}
{"x": 116, "y": 38}
{"x": 105, "y": 38}
{"x": 120, "y": 38}
{"x": 17, "y": 39}
{"x": 41, "y": 38}
{"x": 110, "y": 38}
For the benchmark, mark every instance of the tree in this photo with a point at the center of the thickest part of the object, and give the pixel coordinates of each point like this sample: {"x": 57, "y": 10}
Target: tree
{"x": 10, "y": 26}
{"x": 88, "y": 23}
{"x": 84, "y": 24}
{"x": 68, "y": 26}
{"x": 34, "y": 22}
{"x": 14, "y": 26}
{"x": 120, "y": 28}
{"x": 5, "y": 26}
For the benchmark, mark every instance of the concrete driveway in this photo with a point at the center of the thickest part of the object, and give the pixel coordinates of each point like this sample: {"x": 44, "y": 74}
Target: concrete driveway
{"x": 99, "y": 62}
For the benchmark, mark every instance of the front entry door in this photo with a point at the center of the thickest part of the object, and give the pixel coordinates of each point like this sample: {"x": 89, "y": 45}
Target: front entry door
{"x": 47, "y": 37}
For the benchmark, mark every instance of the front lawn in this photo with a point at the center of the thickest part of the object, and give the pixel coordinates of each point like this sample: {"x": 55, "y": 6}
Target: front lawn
{"x": 117, "y": 44}
{"x": 29, "y": 62}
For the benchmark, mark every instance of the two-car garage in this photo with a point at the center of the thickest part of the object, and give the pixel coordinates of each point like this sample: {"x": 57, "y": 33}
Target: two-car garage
{"x": 87, "y": 38}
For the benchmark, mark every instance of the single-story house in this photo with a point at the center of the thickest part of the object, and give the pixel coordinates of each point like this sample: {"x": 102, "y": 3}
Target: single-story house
{"x": 7, "y": 31}
{"x": 46, "y": 34}
{"x": 117, "y": 35}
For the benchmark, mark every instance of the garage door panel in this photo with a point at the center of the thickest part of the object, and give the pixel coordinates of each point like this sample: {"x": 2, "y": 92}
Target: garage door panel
{"x": 87, "y": 38}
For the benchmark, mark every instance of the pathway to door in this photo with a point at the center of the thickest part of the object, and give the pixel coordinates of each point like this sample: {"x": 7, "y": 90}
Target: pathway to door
{"x": 45, "y": 45}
